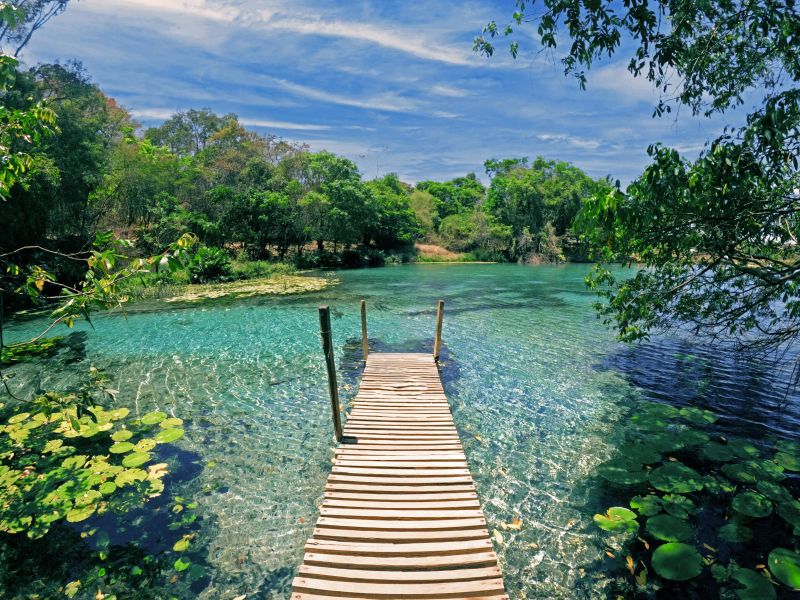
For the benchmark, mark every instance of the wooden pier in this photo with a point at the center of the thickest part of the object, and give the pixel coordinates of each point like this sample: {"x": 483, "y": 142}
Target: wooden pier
{"x": 400, "y": 517}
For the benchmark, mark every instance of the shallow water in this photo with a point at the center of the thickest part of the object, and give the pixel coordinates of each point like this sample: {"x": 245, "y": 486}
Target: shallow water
{"x": 539, "y": 388}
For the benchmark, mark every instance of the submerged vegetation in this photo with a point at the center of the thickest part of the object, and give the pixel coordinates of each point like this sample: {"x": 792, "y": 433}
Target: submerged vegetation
{"x": 701, "y": 508}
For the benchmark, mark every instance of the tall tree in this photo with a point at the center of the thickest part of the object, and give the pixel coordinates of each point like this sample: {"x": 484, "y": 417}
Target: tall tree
{"x": 718, "y": 234}
{"x": 18, "y": 22}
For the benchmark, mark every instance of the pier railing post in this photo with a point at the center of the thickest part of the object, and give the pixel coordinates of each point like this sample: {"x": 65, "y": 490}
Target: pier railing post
{"x": 327, "y": 348}
{"x": 437, "y": 342}
{"x": 364, "y": 338}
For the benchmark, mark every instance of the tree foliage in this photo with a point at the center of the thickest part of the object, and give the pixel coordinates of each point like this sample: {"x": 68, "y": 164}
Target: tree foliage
{"x": 718, "y": 235}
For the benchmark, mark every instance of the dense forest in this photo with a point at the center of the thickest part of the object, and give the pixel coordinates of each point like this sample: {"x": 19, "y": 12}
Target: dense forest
{"x": 253, "y": 197}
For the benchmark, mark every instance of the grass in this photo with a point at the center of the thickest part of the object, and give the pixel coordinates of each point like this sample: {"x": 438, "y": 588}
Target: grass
{"x": 252, "y": 278}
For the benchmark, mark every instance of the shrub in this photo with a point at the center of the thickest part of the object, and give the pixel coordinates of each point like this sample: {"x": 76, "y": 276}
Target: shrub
{"x": 261, "y": 268}
{"x": 210, "y": 265}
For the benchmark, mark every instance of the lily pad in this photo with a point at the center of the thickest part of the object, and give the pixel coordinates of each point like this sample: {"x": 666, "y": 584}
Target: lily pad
{"x": 788, "y": 447}
{"x": 790, "y": 512}
{"x": 122, "y": 435}
{"x": 678, "y": 506}
{"x": 698, "y": 416}
{"x": 691, "y": 437}
{"x": 733, "y": 532}
{"x": 129, "y": 476}
{"x": 751, "y": 504}
{"x": 646, "y": 505}
{"x": 108, "y": 487}
{"x": 669, "y": 528}
{"x": 617, "y": 519}
{"x": 765, "y": 469}
{"x": 145, "y": 445}
{"x": 716, "y": 452}
{"x": 665, "y": 441}
{"x": 171, "y": 422}
{"x": 169, "y": 435}
{"x": 121, "y": 447}
{"x": 743, "y": 448}
{"x": 788, "y": 461}
{"x": 677, "y": 478}
{"x": 774, "y": 491}
{"x": 784, "y": 564}
{"x": 637, "y": 452}
{"x": 135, "y": 459}
{"x": 756, "y": 585}
{"x": 657, "y": 409}
{"x": 677, "y": 562}
{"x": 739, "y": 472}
{"x": 81, "y": 513}
{"x": 154, "y": 417}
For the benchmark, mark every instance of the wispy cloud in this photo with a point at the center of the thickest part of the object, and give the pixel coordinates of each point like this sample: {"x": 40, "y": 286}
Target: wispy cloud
{"x": 450, "y": 91}
{"x": 577, "y": 142}
{"x": 387, "y": 36}
{"x": 384, "y": 102}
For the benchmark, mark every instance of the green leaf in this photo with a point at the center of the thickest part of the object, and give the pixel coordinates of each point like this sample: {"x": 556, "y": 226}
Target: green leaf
{"x": 617, "y": 519}
{"x": 774, "y": 491}
{"x": 121, "y": 447}
{"x": 181, "y": 545}
{"x": 646, "y": 505}
{"x": 788, "y": 461}
{"x": 739, "y": 472}
{"x": 153, "y": 418}
{"x": 733, "y": 532}
{"x": 698, "y": 416}
{"x": 752, "y": 504}
{"x": 743, "y": 448}
{"x": 756, "y": 585}
{"x": 641, "y": 453}
{"x": 121, "y": 435}
{"x": 677, "y": 478}
{"x": 677, "y": 562}
{"x": 784, "y": 564}
{"x": 678, "y": 506}
{"x": 182, "y": 564}
{"x": 81, "y": 513}
{"x": 168, "y": 435}
{"x": 108, "y": 487}
{"x": 669, "y": 528}
{"x": 135, "y": 459}
{"x": 171, "y": 422}
{"x": 716, "y": 452}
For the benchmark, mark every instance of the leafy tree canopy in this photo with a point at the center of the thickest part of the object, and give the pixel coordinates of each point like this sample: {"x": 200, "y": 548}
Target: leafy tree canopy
{"x": 718, "y": 235}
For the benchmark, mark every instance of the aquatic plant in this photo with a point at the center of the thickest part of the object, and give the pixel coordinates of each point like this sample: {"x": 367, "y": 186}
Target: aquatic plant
{"x": 65, "y": 458}
{"x": 681, "y": 481}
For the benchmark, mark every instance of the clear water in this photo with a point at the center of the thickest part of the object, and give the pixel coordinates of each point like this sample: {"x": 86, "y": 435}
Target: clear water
{"x": 540, "y": 392}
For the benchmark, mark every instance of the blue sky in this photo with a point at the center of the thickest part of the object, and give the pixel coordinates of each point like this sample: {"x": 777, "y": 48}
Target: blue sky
{"x": 394, "y": 86}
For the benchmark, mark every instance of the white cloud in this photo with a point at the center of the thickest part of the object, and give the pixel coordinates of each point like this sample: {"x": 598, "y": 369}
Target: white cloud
{"x": 577, "y": 142}
{"x": 283, "y": 125}
{"x": 196, "y": 8}
{"x": 387, "y": 36}
{"x": 450, "y": 91}
{"x": 386, "y": 102}
{"x": 616, "y": 78}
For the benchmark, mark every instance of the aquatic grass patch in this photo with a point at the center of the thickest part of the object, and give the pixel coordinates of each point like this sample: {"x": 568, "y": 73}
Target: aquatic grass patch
{"x": 71, "y": 466}
{"x": 697, "y": 479}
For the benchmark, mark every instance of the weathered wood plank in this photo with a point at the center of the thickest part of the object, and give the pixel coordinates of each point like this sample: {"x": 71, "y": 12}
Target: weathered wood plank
{"x": 400, "y": 517}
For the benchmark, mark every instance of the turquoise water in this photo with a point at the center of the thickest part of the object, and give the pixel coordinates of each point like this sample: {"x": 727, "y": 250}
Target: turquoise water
{"x": 540, "y": 392}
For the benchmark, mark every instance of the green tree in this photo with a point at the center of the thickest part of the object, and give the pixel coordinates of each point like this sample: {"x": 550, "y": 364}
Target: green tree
{"x": 396, "y": 224}
{"x": 18, "y": 22}
{"x": 718, "y": 235}
{"x": 187, "y": 133}
{"x": 455, "y": 196}
{"x": 426, "y": 208}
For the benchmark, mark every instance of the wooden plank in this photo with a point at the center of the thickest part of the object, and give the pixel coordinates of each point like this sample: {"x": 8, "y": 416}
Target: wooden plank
{"x": 400, "y": 517}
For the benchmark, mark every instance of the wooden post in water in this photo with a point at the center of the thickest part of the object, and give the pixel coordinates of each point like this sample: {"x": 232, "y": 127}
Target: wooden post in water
{"x": 437, "y": 342}
{"x": 364, "y": 338}
{"x": 327, "y": 348}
